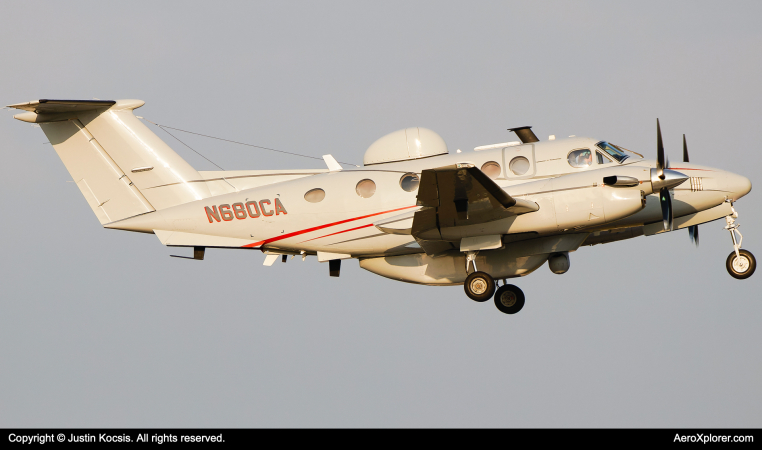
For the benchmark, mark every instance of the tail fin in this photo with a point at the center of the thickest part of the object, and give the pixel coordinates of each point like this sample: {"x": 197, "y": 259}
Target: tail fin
{"x": 122, "y": 168}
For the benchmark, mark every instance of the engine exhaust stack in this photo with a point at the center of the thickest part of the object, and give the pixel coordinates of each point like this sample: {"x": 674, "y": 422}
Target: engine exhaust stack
{"x": 526, "y": 134}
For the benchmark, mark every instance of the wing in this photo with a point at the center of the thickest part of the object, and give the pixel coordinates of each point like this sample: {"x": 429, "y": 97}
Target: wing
{"x": 459, "y": 195}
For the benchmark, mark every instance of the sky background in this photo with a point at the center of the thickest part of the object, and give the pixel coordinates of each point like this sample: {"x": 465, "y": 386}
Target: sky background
{"x": 102, "y": 328}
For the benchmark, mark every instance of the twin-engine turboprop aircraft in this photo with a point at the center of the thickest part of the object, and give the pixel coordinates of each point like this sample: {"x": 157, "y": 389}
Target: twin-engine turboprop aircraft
{"x": 414, "y": 212}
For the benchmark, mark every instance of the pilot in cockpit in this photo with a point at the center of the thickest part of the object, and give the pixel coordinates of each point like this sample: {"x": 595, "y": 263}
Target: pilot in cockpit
{"x": 581, "y": 158}
{"x": 585, "y": 158}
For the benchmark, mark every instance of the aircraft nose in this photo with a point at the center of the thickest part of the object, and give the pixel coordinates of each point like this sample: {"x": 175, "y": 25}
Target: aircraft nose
{"x": 737, "y": 185}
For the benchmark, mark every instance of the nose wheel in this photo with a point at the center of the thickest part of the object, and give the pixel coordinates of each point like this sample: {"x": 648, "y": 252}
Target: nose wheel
{"x": 741, "y": 264}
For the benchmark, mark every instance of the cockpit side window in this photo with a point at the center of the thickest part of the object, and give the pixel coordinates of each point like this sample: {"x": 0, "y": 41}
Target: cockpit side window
{"x": 602, "y": 159}
{"x": 612, "y": 151}
{"x": 580, "y": 158}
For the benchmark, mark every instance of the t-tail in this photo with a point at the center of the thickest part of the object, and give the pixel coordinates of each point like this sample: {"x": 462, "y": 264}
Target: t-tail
{"x": 122, "y": 168}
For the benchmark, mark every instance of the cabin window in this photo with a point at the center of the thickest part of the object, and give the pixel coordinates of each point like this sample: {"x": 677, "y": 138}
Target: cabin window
{"x": 602, "y": 159}
{"x": 491, "y": 169}
{"x": 613, "y": 151}
{"x": 581, "y": 158}
{"x": 315, "y": 195}
{"x": 409, "y": 182}
{"x": 365, "y": 188}
{"x": 519, "y": 165}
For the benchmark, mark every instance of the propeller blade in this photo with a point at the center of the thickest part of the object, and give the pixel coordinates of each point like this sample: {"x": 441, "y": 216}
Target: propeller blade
{"x": 666, "y": 208}
{"x": 693, "y": 233}
{"x": 685, "y": 150}
{"x": 660, "y": 161}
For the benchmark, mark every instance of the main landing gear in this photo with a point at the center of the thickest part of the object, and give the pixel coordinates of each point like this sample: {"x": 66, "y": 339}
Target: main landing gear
{"x": 480, "y": 287}
{"x": 509, "y": 299}
{"x": 741, "y": 264}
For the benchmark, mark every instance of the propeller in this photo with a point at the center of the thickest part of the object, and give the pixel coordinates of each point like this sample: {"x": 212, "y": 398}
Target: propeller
{"x": 693, "y": 229}
{"x": 663, "y": 179}
{"x": 660, "y": 163}
{"x": 693, "y": 233}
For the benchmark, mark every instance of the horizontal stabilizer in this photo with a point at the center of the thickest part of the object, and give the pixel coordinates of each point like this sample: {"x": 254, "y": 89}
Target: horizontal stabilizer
{"x": 45, "y": 106}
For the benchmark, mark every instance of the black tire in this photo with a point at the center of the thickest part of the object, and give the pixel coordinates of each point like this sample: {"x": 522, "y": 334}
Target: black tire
{"x": 479, "y": 286}
{"x": 509, "y": 299}
{"x": 741, "y": 268}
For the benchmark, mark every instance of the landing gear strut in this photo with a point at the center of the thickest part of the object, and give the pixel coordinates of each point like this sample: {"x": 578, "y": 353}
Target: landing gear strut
{"x": 480, "y": 287}
{"x": 741, "y": 264}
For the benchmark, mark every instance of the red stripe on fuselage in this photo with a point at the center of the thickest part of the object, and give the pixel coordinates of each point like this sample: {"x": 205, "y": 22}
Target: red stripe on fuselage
{"x": 320, "y": 227}
{"x": 339, "y": 232}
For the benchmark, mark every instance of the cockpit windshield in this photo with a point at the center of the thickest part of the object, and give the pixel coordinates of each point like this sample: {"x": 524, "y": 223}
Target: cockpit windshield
{"x": 613, "y": 151}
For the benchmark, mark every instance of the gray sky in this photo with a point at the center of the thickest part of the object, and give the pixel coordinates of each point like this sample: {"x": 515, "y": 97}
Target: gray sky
{"x": 102, "y": 328}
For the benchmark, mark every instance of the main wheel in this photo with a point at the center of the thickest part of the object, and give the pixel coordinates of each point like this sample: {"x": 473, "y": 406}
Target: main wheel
{"x": 509, "y": 299}
{"x": 479, "y": 286}
{"x": 741, "y": 267}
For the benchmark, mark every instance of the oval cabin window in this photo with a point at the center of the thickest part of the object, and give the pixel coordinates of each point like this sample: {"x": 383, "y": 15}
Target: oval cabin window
{"x": 409, "y": 182}
{"x": 581, "y": 158}
{"x": 519, "y": 165}
{"x": 315, "y": 195}
{"x": 366, "y": 188}
{"x": 491, "y": 169}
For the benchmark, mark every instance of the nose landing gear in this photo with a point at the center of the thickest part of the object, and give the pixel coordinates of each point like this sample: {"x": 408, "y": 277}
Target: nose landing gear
{"x": 741, "y": 264}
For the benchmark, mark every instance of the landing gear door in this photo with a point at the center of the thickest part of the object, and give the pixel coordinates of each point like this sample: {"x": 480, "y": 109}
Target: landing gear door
{"x": 518, "y": 162}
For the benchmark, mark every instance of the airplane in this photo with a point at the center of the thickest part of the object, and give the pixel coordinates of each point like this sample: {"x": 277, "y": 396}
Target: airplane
{"x": 414, "y": 212}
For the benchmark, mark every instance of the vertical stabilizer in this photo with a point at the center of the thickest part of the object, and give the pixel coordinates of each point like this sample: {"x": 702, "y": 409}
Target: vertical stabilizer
{"x": 122, "y": 168}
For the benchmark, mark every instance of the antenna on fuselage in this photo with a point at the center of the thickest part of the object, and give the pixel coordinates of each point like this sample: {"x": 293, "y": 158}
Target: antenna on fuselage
{"x": 525, "y": 134}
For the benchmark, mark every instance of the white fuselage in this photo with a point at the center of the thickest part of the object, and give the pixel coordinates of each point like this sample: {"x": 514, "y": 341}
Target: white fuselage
{"x": 342, "y": 223}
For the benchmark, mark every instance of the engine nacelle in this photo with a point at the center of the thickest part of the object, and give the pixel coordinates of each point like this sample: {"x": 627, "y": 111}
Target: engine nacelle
{"x": 584, "y": 199}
